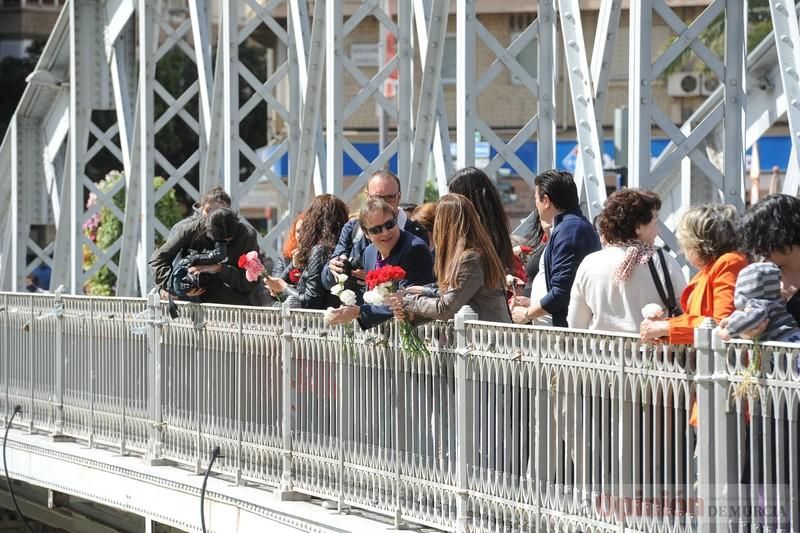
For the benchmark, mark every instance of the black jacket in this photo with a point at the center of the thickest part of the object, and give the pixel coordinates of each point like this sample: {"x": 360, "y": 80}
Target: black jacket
{"x": 310, "y": 291}
{"x": 229, "y": 286}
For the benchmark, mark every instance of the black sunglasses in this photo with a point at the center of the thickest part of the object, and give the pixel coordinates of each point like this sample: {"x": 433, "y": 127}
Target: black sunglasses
{"x": 377, "y": 230}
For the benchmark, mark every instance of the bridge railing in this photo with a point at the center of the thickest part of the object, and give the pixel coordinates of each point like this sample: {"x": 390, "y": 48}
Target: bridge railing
{"x": 501, "y": 428}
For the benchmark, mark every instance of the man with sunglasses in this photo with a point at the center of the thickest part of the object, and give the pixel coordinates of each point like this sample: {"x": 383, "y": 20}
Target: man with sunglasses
{"x": 390, "y": 246}
{"x": 383, "y": 185}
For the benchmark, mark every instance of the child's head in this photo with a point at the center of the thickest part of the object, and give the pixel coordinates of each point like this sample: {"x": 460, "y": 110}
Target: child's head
{"x": 758, "y": 281}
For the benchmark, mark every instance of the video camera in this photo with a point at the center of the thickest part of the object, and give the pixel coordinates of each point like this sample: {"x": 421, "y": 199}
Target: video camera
{"x": 183, "y": 280}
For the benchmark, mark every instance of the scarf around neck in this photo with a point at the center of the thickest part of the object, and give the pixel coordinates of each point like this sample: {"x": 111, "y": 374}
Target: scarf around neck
{"x": 637, "y": 253}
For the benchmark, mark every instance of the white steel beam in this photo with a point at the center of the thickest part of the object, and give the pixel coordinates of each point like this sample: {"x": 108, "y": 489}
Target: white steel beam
{"x": 311, "y": 79}
{"x": 589, "y": 154}
{"x": 148, "y": 43}
{"x": 230, "y": 108}
{"x": 602, "y": 53}
{"x": 405, "y": 88}
{"x": 735, "y": 79}
{"x": 442, "y": 158}
{"x": 787, "y": 43}
{"x": 82, "y": 50}
{"x": 639, "y": 96}
{"x": 334, "y": 129}
{"x": 426, "y": 121}
{"x": 546, "y": 136}
{"x": 465, "y": 83}
{"x": 198, "y": 11}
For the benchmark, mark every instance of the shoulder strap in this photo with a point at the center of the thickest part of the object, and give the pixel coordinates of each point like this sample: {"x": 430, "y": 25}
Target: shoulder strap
{"x": 668, "y": 296}
{"x": 671, "y": 301}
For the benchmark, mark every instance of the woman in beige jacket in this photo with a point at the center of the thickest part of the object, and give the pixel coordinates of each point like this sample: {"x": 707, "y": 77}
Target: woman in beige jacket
{"x": 468, "y": 269}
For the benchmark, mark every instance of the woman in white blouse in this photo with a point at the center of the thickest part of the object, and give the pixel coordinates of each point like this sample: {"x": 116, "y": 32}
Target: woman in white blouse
{"x": 612, "y": 286}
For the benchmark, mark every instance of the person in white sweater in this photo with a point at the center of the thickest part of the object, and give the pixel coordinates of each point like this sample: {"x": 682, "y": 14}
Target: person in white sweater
{"x": 613, "y": 285}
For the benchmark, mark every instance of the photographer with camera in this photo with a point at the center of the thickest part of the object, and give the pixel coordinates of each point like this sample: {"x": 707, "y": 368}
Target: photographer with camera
{"x": 347, "y": 256}
{"x": 199, "y": 260}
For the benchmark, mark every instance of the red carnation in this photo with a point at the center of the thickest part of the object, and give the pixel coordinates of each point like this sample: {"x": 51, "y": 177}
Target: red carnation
{"x": 242, "y": 261}
{"x": 385, "y": 274}
{"x": 294, "y": 275}
{"x": 525, "y": 250}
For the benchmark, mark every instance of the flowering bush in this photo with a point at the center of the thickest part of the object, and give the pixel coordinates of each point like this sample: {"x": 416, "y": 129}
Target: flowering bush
{"x": 103, "y": 228}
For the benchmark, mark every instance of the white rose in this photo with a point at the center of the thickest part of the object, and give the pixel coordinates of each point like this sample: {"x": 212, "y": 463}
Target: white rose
{"x": 347, "y": 297}
{"x": 337, "y": 289}
{"x": 652, "y": 311}
{"x": 328, "y": 315}
{"x": 373, "y": 297}
{"x": 342, "y": 278}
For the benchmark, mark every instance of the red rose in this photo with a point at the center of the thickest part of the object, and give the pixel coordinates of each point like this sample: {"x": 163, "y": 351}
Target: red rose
{"x": 294, "y": 275}
{"x": 242, "y": 261}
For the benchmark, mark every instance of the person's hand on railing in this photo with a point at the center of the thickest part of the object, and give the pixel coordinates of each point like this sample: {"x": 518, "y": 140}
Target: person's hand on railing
{"x": 342, "y": 315}
{"x": 723, "y": 333}
{"x": 653, "y": 329}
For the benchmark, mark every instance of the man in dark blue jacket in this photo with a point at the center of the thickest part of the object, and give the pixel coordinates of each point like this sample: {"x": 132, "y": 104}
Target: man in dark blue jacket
{"x": 383, "y": 185}
{"x": 572, "y": 239}
{"x": 390, "y": 246}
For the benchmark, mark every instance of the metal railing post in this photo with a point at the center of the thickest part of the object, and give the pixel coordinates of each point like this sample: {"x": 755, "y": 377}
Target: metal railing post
{"x": 239, "y": 394}
{"x": 155, "y": 374}
{"x": 6, "y": 358}
{"x": 60, "y": 367}
{"x": 287, "y": 476}
{"x": 705, "y": 447}
{"x": 725, "y": 440}
{"x": 463, "y": 439}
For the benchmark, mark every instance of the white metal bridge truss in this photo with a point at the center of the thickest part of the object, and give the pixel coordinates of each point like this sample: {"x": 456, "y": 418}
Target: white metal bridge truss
{"x": 96, "y": 97}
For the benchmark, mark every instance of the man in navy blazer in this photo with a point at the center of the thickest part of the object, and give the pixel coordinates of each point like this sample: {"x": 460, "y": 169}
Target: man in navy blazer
{"x": 390, "y": 246}
{"x": 572, "y": 239}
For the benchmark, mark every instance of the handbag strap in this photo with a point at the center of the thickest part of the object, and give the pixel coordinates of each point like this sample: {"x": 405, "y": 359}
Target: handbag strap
{"x": 668, "y": 297}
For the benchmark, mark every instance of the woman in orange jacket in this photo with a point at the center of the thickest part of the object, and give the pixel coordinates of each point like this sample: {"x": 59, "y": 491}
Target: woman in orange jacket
{"x": 707, "y": 235}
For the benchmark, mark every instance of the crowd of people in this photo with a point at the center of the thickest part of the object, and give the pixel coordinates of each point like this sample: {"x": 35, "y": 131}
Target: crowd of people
{"x": 565, "y": 271}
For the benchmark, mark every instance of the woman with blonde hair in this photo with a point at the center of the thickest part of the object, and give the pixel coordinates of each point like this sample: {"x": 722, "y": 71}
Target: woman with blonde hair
{"x": 708, "y": 237}
{"x": 467, "y": 267}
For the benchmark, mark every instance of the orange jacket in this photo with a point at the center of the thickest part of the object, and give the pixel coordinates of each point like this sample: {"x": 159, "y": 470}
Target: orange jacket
{"x": 709, "y": 294}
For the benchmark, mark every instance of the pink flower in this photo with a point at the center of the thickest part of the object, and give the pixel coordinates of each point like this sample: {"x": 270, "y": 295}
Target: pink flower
{"x": 251, "y": 265}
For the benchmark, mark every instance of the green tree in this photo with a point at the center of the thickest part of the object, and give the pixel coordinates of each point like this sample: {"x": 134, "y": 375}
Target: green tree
{"x": 105, "y": 228}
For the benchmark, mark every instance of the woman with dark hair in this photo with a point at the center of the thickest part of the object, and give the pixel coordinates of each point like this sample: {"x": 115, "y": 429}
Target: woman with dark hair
{"x": 322, "y": 222}
{"x": 770, "y": 231}
{"x": 425, "y": 216}
{"x": 468, "y": 270}
{"x": 476, "y": 186}
{"x": 612, "y": 286}
{"x": 708, "y": 237}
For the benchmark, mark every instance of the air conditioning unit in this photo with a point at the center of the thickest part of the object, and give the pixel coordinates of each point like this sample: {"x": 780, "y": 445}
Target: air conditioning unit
{"x": 683, "y": 84}
{"x": 709, "y": 84}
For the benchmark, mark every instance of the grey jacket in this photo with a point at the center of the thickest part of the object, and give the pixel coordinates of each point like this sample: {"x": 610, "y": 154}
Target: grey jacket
{"x": 489, "y": 303}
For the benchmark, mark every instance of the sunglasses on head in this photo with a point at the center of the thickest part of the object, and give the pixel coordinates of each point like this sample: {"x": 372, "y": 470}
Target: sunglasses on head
{"x": 377, "y": 230}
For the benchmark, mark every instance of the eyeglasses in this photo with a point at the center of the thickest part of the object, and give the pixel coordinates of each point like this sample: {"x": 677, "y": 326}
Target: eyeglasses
{"x": 388, "y": 225}
{"x": 389, "y": 198}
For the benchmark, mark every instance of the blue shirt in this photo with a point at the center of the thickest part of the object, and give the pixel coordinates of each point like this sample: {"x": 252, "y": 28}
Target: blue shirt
{"x": 572, "y": 239}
